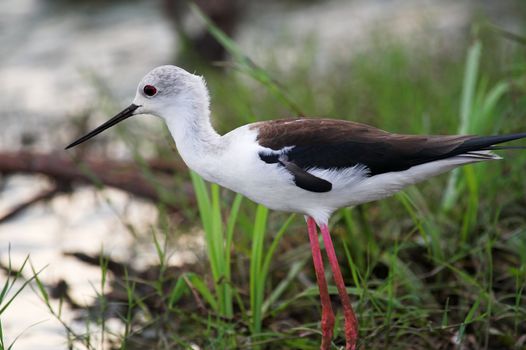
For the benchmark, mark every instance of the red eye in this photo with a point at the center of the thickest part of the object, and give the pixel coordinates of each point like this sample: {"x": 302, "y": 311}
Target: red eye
{"x": 149, "y": 90}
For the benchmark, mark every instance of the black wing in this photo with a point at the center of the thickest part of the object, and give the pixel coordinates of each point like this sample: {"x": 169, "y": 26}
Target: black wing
{"x": 336, "y": 144}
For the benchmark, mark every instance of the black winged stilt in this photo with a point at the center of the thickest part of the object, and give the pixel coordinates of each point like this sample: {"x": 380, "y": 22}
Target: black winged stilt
{"x": 307, "y": 166}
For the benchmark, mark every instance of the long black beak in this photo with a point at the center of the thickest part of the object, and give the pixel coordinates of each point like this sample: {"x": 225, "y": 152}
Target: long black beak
{"x": 125, "y": 114}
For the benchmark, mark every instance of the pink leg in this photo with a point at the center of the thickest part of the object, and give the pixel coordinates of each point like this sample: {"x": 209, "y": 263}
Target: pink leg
{"x": 351, "y": 326}
{"x": 327, "y": 316}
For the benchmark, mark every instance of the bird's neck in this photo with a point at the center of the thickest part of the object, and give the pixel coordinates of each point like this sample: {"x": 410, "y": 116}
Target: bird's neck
{"x": 198, "y": 143}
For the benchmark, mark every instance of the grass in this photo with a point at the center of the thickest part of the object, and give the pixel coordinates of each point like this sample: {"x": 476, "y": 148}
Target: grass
{"x": 11, "y": 289}
{"x": 441, "y": 265}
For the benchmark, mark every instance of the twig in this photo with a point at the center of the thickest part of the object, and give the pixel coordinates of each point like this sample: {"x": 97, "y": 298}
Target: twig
{"x": 126, "y": 176}
{"x": 42, "y": 196}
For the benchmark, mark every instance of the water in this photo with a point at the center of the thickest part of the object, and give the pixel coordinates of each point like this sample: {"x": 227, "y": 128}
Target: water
{"x": 53, "y": 56}
{"x": 47, "y": 61}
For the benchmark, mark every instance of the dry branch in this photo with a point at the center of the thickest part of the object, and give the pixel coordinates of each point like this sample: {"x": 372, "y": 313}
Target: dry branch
{"x": 42, "y": 196}
{"x": 126, "y": 176}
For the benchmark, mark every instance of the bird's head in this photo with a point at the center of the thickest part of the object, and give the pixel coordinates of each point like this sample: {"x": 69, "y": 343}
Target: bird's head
{"x": 163, "y": 92}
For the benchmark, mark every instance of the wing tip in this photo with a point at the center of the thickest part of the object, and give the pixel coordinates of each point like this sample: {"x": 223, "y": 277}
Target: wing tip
{"x": 481, "y": 155}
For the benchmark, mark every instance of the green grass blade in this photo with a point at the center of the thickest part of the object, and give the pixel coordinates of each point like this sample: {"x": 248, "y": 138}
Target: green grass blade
{"x": 425, "y": 227}
{"x": 195, "y": 282}
{"x": 18, "y": 291}
{"x": 467, "y": 320}
{"x": 232, "y": 219}
{"x": 489, "y": 105}
{"x": 278, "y": 291}
{"x": 466, "y": 107}
{"x": 274, "y": 245}
{"x": 205, "y": 211}
{"x": 469, "y": 86}
{"x": 203, "y": 200}
{"x": 470, "y": 214}
{"x": 270, "y": 254}
{"x": 257, "y": 283}
{"x": 177, "y": 292}
{"x": 217, "y": 241}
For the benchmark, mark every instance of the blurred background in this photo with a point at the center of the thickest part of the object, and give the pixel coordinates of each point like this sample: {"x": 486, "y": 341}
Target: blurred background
{"x": 446, "y": 260}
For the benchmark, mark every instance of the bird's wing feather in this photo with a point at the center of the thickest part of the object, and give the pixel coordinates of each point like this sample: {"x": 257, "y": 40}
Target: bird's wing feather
{"x": 304, "y": 179}
{"x": 337, "y": 144}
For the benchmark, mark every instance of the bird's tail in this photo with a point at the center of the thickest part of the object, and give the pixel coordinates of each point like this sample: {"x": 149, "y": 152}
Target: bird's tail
{"x": 481, "y": 147}
{"x": 487, "y": 143}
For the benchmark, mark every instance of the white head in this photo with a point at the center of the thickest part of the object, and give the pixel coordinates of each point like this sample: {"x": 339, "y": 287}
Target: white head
{"x": 168, "y": 92}
{"x": 168, "y": 87}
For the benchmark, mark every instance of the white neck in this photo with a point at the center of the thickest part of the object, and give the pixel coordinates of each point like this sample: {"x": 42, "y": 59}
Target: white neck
{"x": 198, "y": 143}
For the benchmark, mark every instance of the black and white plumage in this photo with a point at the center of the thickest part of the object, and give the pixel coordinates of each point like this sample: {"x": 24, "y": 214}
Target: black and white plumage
{"x": 307, "y": 166}
{"x": 301, "y": 145}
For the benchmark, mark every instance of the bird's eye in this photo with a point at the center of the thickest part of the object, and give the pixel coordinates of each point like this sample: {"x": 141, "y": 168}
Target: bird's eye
{"x": 149, "y": 90}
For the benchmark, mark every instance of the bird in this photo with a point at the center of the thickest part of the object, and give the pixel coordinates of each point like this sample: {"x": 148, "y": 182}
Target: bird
{"x": 308, "y": 166}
